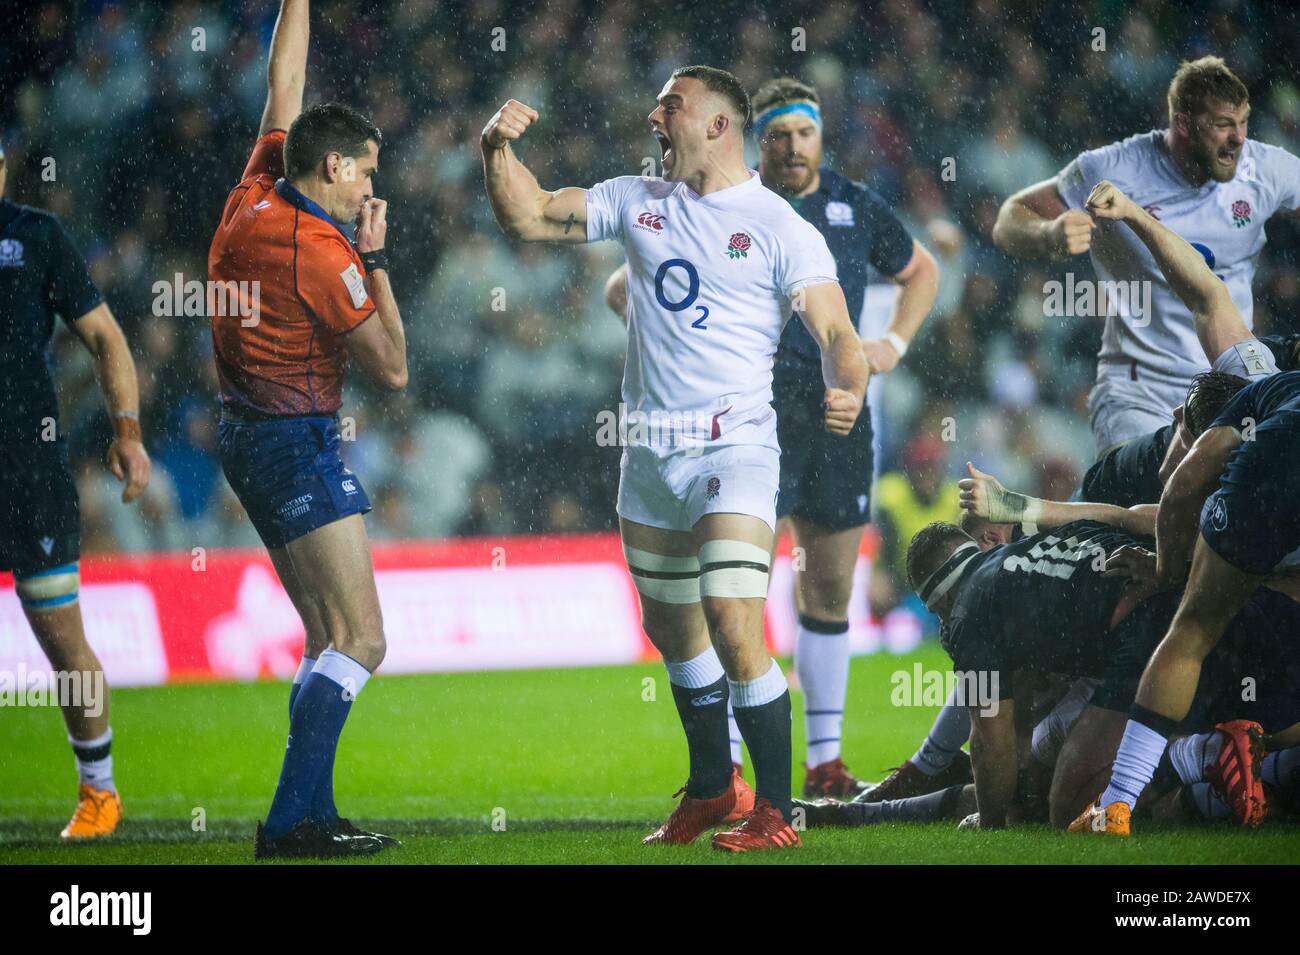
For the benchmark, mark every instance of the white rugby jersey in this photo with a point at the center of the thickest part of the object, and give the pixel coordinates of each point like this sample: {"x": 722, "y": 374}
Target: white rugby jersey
{"x": 1224, "y": 221}
{"x": 710, "y": 280}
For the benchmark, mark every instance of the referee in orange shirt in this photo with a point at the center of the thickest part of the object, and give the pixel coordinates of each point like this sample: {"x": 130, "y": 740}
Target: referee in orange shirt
{"x": 306, "y": 299}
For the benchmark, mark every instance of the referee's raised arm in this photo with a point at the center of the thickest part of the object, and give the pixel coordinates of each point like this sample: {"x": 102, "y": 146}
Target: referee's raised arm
{"x": 286, "y": 70}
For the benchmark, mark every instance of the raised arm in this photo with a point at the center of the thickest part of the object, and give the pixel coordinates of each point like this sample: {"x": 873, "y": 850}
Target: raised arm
{"x": 1219, "y": 325}
{"x": 286, "y": 70}
{"x": 986, "y": 497}
{"x": 1035, "y": 223}
{"x": 524, "y": 209}
{"x": 825, "y": 314}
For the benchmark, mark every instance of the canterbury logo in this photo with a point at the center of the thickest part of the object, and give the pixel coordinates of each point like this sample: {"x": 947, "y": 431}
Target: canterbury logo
{"x": 707, "y": 699}
{"x": 651, "y": 221}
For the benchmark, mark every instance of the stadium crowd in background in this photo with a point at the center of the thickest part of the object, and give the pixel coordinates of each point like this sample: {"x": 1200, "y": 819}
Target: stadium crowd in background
{"x": 511, "y": 347}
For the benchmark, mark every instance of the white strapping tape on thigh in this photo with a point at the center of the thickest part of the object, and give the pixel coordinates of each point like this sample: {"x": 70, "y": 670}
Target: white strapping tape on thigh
{"x": 49, "y": 589}
{"x": 733, "y": 569}
{"x": 670, "y": 580}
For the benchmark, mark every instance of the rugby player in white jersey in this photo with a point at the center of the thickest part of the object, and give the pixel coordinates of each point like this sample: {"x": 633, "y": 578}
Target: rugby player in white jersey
{"x": 716, "y": 262}
{"x": 1207, "y": 182}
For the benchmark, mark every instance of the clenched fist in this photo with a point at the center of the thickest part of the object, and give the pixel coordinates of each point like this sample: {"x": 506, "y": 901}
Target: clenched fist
{"x": 1071, "y": 233}
{"x": 1106, "y": 201}
{"x": 509, "y": 123}
{"x": 842, "y": 409}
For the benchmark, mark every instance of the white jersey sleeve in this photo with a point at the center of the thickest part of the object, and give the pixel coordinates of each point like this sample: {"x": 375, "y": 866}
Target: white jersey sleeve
{"x": 605, "y": 202}
{"x": 1279, "y": 173}
{"x": 1082, "y": 173}
{"x": 804, "y": 259}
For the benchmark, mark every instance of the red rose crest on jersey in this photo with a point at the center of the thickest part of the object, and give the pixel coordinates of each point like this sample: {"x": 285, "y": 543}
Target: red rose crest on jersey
{"x": 1241, "y": 213}
{"x": 650, "y": 221}
{"x": 738, "y": 247}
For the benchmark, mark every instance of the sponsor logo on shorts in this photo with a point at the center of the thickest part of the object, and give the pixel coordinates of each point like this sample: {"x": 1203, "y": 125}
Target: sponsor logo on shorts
{"x": 295, "y": 508}
{"x": 349, "y": 486}
{"x": 707, "y": 699}
{"x": 713, "y": 488}
{"x": 1219, "y": 515}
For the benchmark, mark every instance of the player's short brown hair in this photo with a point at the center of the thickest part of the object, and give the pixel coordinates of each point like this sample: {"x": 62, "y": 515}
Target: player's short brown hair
{"x": 1205, "y": 79}
{"x": 723, "y": 83}
{"x": 783, "y": 89}
{"x": 326, "y": 128}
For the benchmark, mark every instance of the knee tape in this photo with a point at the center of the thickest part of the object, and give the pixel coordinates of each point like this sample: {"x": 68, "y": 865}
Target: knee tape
{"x": 733, "y": 569}
{"x": 670, "y": 580}
{"x": 47, "y": 589}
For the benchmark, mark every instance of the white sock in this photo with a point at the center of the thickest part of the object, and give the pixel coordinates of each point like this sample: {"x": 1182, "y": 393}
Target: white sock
{"x": 737, "y": 748}
{"x": 1282, "y": 768}
{"x": 698, "y": 671}
{"x": 1135, "y": 763}
{"x": 756, "y": 692}
{"x": 95, "y": 772}
{"x": 1209, "y": 803}
{"x": 822, "y": 661}
{"x": 950, "y": 731}
{"x": 1193, "y": 755}
{"x": 304, "y": 667}
{"x": 343, "y": 670}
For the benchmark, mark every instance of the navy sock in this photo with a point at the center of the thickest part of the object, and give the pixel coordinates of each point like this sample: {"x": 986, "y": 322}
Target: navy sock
{"x": 766, "y": 729}
{"x": 320, "y": 710}
{"x": 322, "y": 802}
{"x": 703, "y": 711}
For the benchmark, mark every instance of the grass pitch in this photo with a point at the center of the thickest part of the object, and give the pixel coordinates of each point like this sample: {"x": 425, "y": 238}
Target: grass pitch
{"x": 575, "y": 764}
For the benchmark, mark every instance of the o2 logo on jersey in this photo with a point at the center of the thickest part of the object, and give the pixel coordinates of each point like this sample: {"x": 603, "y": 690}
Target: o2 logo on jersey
{"x": 1206, "y": 254}
{"x": 692, "y": 290}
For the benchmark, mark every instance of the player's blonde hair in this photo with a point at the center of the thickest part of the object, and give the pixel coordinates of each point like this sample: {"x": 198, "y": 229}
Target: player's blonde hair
{"x": 1206, "y": 78}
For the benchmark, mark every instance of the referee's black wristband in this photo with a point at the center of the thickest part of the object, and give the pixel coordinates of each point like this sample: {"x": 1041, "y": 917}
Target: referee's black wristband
{"x": 377, "y": 259}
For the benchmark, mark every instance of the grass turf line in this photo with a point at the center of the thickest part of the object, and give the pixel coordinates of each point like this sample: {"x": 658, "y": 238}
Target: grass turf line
{"x": 578, "y": 763}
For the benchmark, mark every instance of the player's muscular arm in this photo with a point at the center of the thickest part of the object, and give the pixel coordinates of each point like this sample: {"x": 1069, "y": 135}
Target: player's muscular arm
{"x": 286, "y": 70}
{"x": 1035, "y": 223}
{"x": 379, "y": 346}
{"x": 993, "y": 759}
{"x": 986, "y": 497}
{"x": 1180, "y": 506}
{"x": 919, "y": 282}
{"x": 103, "y": 338}
{"x": 524, "y": 209}
{"x": 616, "y": 292}
{"x": 1219, "y": 325}
{"x": 825, "y": 314}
